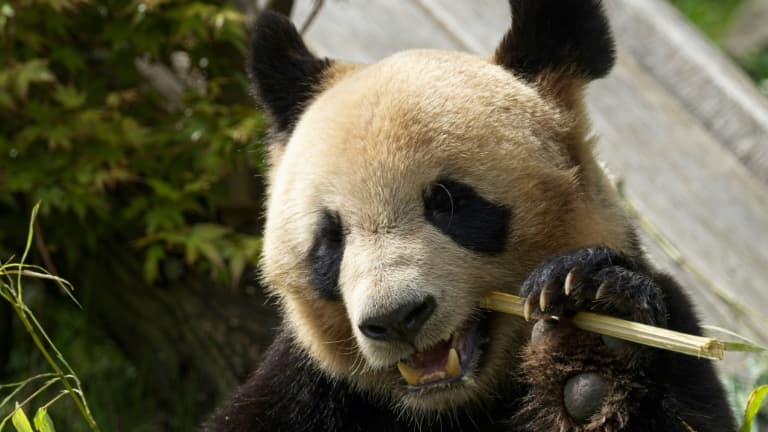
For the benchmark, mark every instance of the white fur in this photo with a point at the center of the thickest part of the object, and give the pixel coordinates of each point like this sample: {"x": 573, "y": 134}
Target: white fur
{"x": 368, "y": 146}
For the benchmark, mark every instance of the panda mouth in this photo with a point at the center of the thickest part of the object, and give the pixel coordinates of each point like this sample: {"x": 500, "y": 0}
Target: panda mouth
{"x": 448, "y": 361}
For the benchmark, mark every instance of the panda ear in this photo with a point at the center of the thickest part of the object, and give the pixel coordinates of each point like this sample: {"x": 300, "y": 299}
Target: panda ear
{"x": 567, "y": 37}
{"x": 285, "y": 74}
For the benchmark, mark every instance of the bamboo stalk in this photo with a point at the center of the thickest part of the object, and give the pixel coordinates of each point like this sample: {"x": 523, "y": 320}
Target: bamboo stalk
{"x": 643, "y": 334}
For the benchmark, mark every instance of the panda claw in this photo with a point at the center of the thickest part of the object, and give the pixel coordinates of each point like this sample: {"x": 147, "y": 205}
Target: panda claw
{"x": 528, "y": 307}
{"x": 601, "y": 290}
{"x": 544, "y": 299}
{"x": 568, "y": 285}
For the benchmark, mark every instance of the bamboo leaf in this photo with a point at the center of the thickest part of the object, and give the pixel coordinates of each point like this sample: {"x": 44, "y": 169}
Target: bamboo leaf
{"x": 742, "y": 347}
{"x": 20, "y": 421}
{"x": 30, "y": 236}
{"x": 753, "y": 406}
{"x": 43, "y": 422}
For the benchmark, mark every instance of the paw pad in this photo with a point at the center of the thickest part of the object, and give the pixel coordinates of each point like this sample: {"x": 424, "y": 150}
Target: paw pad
{"x": 542, "y": 328}
{"x": 584, "y": 394}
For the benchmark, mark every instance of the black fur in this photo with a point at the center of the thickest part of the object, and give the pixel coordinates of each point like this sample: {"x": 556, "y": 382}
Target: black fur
{"x": 649, "y": 389}
{"x": 287, "y": 394}
{"x": 557, "y": 35}
{"x": 325, "y": 256}
{"x": 659, "y": 390}
{"x": 285, "y": 73}
{"x": 466, "y": 217}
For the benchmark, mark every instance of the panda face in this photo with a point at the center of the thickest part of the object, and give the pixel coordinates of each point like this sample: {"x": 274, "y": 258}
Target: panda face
{"x": 402, "y": 195}
{"x": 402, "y": 191}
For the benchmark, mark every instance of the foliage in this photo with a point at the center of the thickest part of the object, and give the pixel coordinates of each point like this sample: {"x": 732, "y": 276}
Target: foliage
{"x": 11, "y": 290}
{"x": 747, "y": 392}
{"x": 757, "y": 67}
{"x": 753, "y": 406}
{"x": 132, "y": 122}
{"x": 125, "y": 118}
{"x": 715, "y": 18}
{"x": 711, "y": 16}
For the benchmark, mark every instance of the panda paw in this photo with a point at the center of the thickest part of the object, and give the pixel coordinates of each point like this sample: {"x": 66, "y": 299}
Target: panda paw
{"x": 598, "y": 280}
{"x": 583, "y": 379}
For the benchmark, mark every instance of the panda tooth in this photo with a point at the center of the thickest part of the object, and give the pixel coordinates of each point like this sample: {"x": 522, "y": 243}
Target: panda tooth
{"x": 434, "y": 376}
{"x": 452, "y": 365}
{"x": 410, "y": 374}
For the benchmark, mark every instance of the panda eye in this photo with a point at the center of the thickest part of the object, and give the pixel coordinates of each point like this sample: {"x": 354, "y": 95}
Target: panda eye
{"x": 469, "y": 219}
{"x": 445, "y": 198}
{"x": 326, "y": 254}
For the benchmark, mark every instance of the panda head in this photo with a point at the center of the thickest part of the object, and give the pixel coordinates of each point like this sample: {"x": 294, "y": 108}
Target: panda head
{"x": 402, "y": 190}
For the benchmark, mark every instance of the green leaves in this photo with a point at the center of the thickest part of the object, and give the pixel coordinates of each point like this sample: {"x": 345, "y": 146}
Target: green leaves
{"x": 175, "y": 186}
{"x": 83, "y": 130}
{"x": 11, "y": 274}
{"x": 69, "y": 97}
{"x": 43, "y": 422}
{"x": 712, "y": 16}
{"x": 17, "y": 79}
{"x": 20, "y": 421}
{"x": 6, "y": 14}
{"x": 226, "y": 252}
{"x": 31, "y": 72}
{"x": 753, "y": 406}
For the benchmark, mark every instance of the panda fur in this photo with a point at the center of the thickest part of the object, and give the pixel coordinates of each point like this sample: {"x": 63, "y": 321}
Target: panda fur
{"x": 401, "y": 191}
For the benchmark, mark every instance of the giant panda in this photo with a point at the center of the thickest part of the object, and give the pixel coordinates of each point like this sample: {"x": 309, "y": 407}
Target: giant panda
{"x": 401, "y": 191}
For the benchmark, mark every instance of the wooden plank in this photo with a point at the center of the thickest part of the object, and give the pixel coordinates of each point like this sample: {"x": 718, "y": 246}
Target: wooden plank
{"x": 708, "y": 84}
{"x": 679, "y": 175}
{"x": 712, "y": 310}
{"x": 487, "y": 19}
{"x": 366, "y": 31}
{"x": 681, "y": 178}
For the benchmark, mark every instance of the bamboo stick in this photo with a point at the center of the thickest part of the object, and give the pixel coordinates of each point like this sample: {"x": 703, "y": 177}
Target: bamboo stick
{"x": 643, "y": 334}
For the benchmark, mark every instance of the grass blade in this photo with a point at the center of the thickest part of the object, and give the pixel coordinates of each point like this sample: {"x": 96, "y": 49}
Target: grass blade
{"x": 20, "y": 421}
{"x": 57, "y": 362}
{"x": 43, "y": 422}
{"x": 753, "y": 406}
{"x": 30, "y": 236}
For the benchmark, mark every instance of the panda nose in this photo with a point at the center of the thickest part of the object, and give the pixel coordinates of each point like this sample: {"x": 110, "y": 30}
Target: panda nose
{"x": 401, "y": 324}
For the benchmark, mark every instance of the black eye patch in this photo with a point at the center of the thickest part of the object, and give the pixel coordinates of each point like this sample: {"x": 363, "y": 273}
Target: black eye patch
{"x": 325, "y": 256}
{"x": 466, "y": 217}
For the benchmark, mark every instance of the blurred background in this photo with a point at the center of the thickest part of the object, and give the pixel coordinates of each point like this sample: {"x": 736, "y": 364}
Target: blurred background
{"x": 131, "y": 122}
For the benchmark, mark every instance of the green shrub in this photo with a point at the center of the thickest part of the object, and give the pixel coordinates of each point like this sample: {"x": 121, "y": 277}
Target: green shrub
{"x": 131, "y": 122}
{"x": 713, "y": 17}
{"x": 125, "y": 119}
